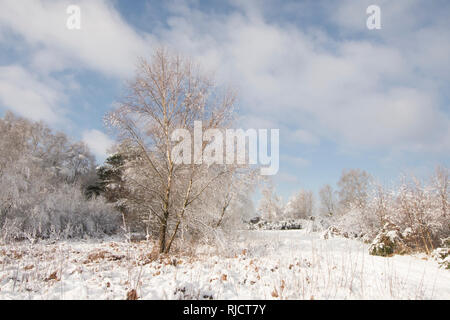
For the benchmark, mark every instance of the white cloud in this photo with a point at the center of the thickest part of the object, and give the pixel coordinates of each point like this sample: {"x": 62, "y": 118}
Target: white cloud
{"x": 379, "y": 90}
{"x": 362, "y": 93}
{"x": 105, "y": 43}
{"x": 29, "y": 96}
{"x": 98, "y": 142}
{"x": 37, "y": 29}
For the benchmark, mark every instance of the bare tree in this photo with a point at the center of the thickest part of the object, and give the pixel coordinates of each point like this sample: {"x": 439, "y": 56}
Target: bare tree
{"x": 300, "y": 205}
{"x": 353, "y": 189}
{"x": 169, "y": 92}
{"x": 441, "y": 183}
{"x": 270, "y": 206}
{"x": 232, "y": 194}
{"x": 381, "y": 204}
{"x": 327, "y": 200}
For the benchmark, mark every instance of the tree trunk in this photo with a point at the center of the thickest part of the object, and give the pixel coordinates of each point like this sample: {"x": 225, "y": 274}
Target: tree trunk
{"x": 169, "y": 245}
{"x": 162, "y": 235}
{"x": 221, "y": 216}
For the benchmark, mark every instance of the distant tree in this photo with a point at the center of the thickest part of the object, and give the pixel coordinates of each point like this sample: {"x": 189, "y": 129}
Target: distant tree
{"x": 300, "y": 205}
{"x": 441, "y": 183}
{"x": 66, "y": 160}
{"x": 42, "y": 178}
{"x": 270, "y": 206}
{"x": 327, "y": 200}
{"x": 232, "y": 196}
{"x": 111, "y": 185}
{"x": 353, "y": 189}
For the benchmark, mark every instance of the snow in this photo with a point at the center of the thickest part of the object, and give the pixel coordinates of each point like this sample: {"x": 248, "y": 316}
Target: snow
{"x": 392, "y": 235}
{"x": 269, "y": 264}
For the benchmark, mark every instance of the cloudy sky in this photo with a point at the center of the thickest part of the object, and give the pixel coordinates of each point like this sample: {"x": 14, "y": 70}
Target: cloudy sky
{"x": 342, "y": 96}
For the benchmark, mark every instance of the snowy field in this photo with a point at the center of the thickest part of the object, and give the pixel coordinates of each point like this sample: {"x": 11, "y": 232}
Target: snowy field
{"x": 263, "y": 265}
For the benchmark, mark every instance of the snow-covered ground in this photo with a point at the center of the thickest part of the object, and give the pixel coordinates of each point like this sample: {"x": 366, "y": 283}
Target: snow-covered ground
{"x": 259, "y": 265}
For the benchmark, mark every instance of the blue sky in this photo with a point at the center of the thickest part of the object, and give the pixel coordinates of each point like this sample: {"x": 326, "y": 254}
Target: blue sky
{"x": 342, "y": 96}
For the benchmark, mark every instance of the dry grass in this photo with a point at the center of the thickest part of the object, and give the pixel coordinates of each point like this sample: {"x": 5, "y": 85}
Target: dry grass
{"x": 254, "y": 270}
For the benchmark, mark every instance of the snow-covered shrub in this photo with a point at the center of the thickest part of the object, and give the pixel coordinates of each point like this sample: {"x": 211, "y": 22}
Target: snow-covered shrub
{"x": 445, "y": 242}
{"x": 355, "y": 212}
{"x": 365, "y": 218}
{"x": 388, "y": 241}
{"x": 352, "y": 224}
{"x": 331, "y": 232}
{"x": 290, "y": 224}
{"x": 67, "y": 209}
{"x": 422, "y": 210}
{"x": 416, "y": 213}
{"x": 417, "y": 210}
{"x": 61, "y": 212}
{"x": 442, "y": 254}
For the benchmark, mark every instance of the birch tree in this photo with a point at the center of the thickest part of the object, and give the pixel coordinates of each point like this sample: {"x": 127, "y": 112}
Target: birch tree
{"x": 270, "y": 206}
{"x": 327, "y": 200}
{"x": 300, "y": 205}
{"x": 169, "y": 92}
{"x": 353, "y": 189}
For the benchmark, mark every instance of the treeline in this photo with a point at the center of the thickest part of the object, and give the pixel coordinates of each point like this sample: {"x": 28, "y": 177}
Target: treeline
{"x": 43, "y": 181}
{"x": 411, "y": 216}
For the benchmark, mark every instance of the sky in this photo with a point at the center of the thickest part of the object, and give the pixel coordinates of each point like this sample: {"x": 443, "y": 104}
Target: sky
{"x": 343, "y": 96}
